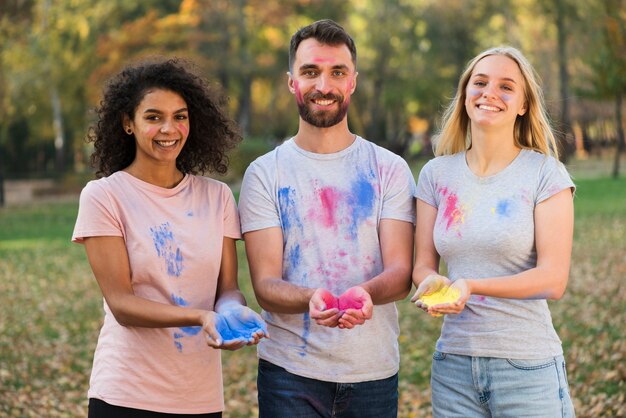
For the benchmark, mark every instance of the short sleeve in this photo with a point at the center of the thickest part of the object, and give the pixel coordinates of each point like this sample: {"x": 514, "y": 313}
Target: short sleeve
{"x": 96, "y": 215}
{"x": 553, "y": 177}
{"x": 257, "y": 202}
{"x": 426, "y": 185}
{"x": 399, "y": 195}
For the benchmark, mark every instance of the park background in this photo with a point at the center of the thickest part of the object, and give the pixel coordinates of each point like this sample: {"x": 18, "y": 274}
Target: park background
{"x": 55, "y": 56}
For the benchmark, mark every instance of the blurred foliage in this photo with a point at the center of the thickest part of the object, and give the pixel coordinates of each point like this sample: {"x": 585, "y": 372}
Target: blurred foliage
{"x": 410, "y": 55}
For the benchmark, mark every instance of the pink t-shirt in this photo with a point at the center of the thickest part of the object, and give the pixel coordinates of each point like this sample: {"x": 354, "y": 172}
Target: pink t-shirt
{"x": 174, "y": 242}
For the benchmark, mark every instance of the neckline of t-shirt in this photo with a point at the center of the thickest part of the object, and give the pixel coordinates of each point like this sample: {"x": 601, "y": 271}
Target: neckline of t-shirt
{"x": 493, "y": 177}
{"x": 153, "y": 187}
{"x": 314, "y": 155}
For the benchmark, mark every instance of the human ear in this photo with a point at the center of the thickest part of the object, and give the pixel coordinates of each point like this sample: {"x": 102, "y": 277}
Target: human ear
{"x": 127, "y": 124}
{"x": 290, "y": 83}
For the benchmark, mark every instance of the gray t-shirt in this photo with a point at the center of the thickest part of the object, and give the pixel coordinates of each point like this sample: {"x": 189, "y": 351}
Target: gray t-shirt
{"x": 329, "y": 207}
{"x": 485, "y": 228}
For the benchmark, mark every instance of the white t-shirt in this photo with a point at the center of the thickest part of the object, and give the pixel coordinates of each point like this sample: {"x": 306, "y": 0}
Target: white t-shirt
{"x": 485, "y": 227}
{"x": 174, "y": 240}
{"x": 329, "y": 207}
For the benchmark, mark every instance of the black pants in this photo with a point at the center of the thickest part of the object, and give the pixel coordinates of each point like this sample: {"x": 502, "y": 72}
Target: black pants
{"x": 101, "y": 409}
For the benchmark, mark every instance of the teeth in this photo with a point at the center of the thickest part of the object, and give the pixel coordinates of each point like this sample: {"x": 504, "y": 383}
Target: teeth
{"x": 323, "y": 102}
{"x": 166, "y": 143}
{"x": 490, "y": 108}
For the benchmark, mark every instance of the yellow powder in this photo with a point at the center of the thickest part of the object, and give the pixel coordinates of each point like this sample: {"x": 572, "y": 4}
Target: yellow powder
{"x": 446, "y": 294}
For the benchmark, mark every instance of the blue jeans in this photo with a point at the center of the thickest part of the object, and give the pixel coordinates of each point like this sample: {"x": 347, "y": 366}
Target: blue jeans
{"x": 467, "y": 387}
{"x": 286, "y": 395}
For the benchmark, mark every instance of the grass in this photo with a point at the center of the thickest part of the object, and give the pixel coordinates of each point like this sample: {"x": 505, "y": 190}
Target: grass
{"x": 51, "y": 310}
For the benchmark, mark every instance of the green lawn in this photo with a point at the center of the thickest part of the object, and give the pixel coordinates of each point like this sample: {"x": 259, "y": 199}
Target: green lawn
{"x": 50, "y": 313}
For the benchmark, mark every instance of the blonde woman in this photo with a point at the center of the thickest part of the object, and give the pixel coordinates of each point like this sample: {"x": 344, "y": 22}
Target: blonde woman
{"x": 497, "y": 206}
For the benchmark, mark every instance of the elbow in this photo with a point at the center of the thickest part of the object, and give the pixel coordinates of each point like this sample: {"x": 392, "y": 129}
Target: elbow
{"x": 121, "y": 318}
{"x": 407, "y": 283}
{"x": 121, "y": 315}
{"x": 558, "y": 290}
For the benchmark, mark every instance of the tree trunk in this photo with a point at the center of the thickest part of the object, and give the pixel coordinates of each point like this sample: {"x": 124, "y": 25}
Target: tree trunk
{"x": 245, "y": 105}
{"x": 565, "y": 131}
{"x": 619, "y": 148}
{"x": 59, "y": 137}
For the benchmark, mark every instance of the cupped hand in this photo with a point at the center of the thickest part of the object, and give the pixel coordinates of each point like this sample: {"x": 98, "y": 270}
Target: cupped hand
{"x": 237, "y": 326}
{"x": 324, "y": 308}
{"x": 430, "y": 284}
{"x": 357, "y": 307}
{"x": 457, "y": 307}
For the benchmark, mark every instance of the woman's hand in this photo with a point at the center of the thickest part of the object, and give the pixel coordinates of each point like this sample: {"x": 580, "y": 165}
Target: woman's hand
{"x": 234, "y": 326}
{"x": 430, "y": 284}
{"x": 462, "y": 287}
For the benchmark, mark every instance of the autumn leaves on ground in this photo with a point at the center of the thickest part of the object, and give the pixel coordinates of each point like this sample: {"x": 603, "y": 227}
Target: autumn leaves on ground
{"x": 51, "y": 309}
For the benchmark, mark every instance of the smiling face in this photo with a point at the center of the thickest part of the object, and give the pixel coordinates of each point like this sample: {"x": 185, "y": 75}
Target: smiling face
{"x": 160, "y": 126}
{"x": 495, "y": 93}
{"x": 323, "y": 79}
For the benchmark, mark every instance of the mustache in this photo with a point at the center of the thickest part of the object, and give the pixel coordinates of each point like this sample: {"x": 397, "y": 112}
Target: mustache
{"x": 321, "y": 96}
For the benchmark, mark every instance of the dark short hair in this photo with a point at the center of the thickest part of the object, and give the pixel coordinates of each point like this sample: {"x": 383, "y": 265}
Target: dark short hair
{"x": 324, "y": 31}
{"x": 211, "y": 132}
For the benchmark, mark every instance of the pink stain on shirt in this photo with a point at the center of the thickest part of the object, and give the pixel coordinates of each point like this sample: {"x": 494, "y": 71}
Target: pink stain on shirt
{"x": 329, "y": 198}
{"x": 453, "y": 214}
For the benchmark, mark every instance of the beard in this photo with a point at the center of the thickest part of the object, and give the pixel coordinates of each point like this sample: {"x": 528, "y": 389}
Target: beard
{"x": 323, "y": 118}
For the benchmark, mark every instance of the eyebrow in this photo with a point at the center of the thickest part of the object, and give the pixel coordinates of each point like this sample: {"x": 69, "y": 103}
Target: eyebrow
{"x": 181, "y": 110}
{"x": 503, "y": 78}
{"x": 315, "y": 66}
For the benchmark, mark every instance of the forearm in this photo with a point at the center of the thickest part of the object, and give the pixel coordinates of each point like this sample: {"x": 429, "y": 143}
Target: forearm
{"x": 277, "y": 295}
{"x": 535, "y": 283}
{"x": 134, "y": 311}
{"x": 393, "y": 284}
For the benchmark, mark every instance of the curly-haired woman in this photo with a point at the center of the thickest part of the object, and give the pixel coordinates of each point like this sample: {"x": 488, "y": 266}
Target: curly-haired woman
{"x": 160, "y": 240}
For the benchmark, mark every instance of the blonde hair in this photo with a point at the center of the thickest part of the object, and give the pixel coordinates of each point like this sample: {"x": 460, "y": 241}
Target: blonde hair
{"x": 532, "y": 130}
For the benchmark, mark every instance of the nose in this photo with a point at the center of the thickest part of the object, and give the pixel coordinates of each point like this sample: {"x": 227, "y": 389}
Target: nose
{"x": 324, "y": 84}
{"x": 489, "y": 90}
{"x": 167, "y": 126}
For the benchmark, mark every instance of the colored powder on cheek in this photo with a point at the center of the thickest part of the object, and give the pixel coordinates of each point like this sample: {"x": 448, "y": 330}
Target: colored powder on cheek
{"x": 474, "y": 92}
{"x": 296, "y": 87}
{"x": 183, "y": 129}
{"x": 506, "y": 97}
{"x": 152, "y": 131}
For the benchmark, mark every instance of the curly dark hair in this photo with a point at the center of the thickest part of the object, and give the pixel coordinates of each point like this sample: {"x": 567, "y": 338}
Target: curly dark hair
{"x": 211, "y": 132}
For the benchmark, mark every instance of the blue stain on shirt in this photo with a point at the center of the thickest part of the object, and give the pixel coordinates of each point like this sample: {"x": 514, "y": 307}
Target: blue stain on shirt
{"x": 294, "y": 256}
{"x": 362, "y": 198}
{"x": 288, "y": 208}
{"x": 305, "y": 334}
{"x": 186, "y": 331}
{"x": 504, "y": 208}
{"x": 166, "y": 248}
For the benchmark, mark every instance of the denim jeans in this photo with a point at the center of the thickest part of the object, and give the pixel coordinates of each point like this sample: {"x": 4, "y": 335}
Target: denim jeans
{"x": 286, "y": 395}
{"x": 469, "y": 387}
